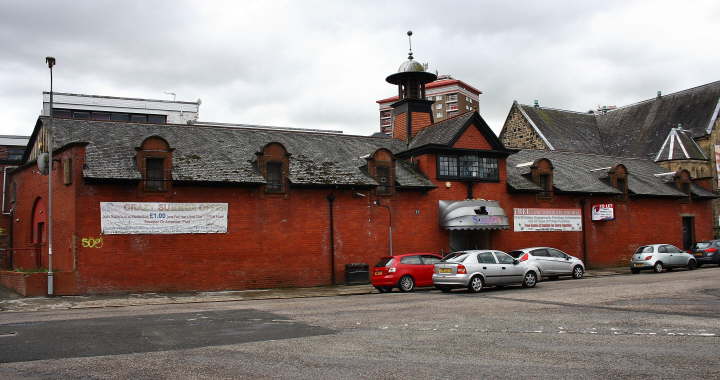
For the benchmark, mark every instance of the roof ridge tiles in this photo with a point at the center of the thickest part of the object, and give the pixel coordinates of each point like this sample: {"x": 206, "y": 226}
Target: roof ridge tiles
{"x": 589, "y": 154}
{"x": 557, "y": 109}
{"x": 663, "y": 96}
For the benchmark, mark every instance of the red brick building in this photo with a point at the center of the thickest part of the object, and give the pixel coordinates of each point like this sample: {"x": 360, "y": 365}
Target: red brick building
{"x": 176, "y": 207}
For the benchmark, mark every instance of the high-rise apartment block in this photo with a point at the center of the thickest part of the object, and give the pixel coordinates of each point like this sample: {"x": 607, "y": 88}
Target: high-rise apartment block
{"x": 450, "y": 97}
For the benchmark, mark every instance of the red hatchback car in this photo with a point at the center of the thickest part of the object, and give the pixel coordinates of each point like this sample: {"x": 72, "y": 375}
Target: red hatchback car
{"x": 404, "y": 271}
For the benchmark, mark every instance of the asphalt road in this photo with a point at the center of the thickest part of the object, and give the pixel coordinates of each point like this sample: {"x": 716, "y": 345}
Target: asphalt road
{"x": 642, "y": 326}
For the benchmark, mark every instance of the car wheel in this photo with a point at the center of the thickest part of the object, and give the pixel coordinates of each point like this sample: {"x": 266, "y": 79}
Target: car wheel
{"x": 530, "y": 280}
{"x": 692, "y": 264}
{"x": 406, "y": 284}
{"x": 476, "y": 284}
{"x": 578, "y": 272}
{"x": 634, "y": 270}
{"x": 658, "y": 267}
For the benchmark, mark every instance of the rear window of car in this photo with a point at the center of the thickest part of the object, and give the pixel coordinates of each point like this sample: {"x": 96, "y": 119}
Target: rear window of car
{"x": 411, "y": 260}
{"x": 451, "y": 255}
{"x": 516, "y": 254}
{"x": 645, "y": 249}
{"x": 702, "y": 245}
{"x": 429, "y": 260}
{"x": 384, "y": 262}
{"x": 456, "y": 259}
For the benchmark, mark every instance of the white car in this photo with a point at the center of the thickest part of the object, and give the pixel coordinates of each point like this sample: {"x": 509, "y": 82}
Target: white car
{"x": 552, "y": 262}
{"x": 660, "y": 256}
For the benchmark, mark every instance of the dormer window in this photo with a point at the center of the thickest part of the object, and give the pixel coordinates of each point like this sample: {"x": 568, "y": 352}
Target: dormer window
{"x": 381, "y": 166}
{"x": 618, "y": 175}
{"x": 273, "y": 163}
{"x": 541, "y": 172}
{"x": 154, "y": 161}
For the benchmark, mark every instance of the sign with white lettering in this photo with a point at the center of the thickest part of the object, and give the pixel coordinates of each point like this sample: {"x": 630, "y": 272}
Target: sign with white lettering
{"x": 547, "y": 219}
{"x": 604, "y": 211}
{"x": 163, "y": 218}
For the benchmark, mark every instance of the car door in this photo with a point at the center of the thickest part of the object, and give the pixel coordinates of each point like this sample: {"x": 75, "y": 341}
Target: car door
{"x": 664, "y": 255}
{"x": 411, "y": 265}
{"x": 511, "y": 273}
{"x": 542, "y": 260}
{"x": 425, "y": 271}
{"x": 561, "y": 261}
{"x": 679, "y": 258}
{"x": 489, "y": 267}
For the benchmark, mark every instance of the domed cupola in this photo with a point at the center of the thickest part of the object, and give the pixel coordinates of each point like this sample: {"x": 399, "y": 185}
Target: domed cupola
{"x": 411, "y": 112}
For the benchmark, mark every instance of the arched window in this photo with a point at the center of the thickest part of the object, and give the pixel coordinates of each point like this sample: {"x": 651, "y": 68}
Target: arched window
{"x": 154, "y": 161}
{"x": 541, "y": 172}
{"x": 274, "y": 164}
{"x": 381, "y": 166}
{"x": 619, "y": 179}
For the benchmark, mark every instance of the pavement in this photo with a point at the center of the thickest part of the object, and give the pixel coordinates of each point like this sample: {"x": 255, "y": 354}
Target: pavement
{"x": 12, "y": 302}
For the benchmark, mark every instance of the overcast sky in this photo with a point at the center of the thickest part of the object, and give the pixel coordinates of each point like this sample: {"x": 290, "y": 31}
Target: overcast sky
{"x": 322, "y": 64}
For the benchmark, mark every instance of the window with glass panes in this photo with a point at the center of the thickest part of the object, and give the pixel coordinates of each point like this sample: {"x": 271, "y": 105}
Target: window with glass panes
{"x": 274, "y": 177}
{"x": 470, "y": 166}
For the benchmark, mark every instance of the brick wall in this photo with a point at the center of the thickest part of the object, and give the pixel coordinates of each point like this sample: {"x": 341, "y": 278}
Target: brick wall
{"x": 282, "y": 240}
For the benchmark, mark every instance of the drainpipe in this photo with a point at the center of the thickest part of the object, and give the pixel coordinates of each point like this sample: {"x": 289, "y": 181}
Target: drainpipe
{"x": 331, "y": 223}
{"x": 583, "y": 214}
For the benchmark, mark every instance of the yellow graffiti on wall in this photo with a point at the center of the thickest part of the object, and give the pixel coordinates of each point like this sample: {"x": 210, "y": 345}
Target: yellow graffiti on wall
{"x": 90, "y": 242}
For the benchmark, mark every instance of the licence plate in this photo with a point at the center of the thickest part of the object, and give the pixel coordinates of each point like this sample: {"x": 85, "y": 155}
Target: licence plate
{"x": 378, "y": 273}
{"x": 698, "y": 254}
{"x": 445, "y": 270}
{"x": 639, "y": 264}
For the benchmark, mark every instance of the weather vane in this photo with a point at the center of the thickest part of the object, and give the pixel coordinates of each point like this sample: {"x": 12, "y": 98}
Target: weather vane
{"x": 409, "y": 33}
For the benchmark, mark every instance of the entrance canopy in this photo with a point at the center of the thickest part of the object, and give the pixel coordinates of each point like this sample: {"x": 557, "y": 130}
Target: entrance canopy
{"x": 472, "y": 214}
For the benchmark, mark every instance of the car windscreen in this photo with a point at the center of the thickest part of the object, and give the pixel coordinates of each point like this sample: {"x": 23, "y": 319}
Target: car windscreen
{"x": 645, "y": 249}
{"x": 702, "y": 245}
{"x": 456, "y": 259}
{"x": 384, "y": 262}
{"x": 516, "y": 254}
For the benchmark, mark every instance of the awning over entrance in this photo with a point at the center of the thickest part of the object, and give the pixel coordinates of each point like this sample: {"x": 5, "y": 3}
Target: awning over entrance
{"x": 472, "y": 215}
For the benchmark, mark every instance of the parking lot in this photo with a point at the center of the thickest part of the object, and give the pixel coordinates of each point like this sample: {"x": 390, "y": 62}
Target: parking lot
{"x": 663, "y": 325}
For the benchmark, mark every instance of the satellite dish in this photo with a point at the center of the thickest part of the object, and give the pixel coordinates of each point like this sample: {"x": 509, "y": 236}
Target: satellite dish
{"x": 42, "y": 163}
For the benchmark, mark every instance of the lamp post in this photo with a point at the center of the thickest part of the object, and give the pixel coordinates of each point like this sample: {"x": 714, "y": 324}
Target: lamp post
{"x": 49, "y": 136}
{"x": 390, "y": 239}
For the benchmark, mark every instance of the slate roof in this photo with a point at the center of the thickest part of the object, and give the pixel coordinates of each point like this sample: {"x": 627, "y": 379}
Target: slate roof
{"x": 566, "y": 130}
{"x": 587, "y": 173}
{"x": 636, "y": 130}
{"x": 224, "y": 154}
{"x": 442, "y": 132}
{"x": 679, "y": 145}
{"x": 445, "y": 133}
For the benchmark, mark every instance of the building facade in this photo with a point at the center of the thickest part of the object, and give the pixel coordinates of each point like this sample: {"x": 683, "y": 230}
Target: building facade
{"x": 677, "y": 131}
{"x": 180, "y": 207}
{"x": 450, "y": 98}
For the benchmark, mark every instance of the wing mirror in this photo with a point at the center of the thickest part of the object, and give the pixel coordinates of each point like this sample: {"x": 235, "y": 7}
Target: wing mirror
{"x": 515, "y": 262}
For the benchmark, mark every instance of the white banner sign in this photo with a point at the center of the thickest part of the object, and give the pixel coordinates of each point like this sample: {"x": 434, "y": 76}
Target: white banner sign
{"x": 547, "y": 219}
{"x": 605, "y": 211}
{"x": 163, "y": 218}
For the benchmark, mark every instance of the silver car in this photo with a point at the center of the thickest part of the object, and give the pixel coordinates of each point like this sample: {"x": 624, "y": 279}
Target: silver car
{"x": 475, "y": 269}
{"x": 660, "y": 256}
{"x": 552, "y": 262}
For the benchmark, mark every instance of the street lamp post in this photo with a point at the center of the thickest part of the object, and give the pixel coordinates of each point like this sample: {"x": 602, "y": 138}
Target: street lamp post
{"x": 49, "y": 136}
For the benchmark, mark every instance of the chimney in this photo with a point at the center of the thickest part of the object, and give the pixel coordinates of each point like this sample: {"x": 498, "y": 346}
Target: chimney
{"x": 659, "y": 94}
{"x": 536, "y": 103}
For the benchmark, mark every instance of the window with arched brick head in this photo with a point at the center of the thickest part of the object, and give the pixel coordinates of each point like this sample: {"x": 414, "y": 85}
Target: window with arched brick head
{"x": 381, "y": 166}
{"x": 541, "y": 172}
{"x": 683, "y": 180}
{"x": 274, "y": 164}
{"x": 154, "y": 161}
{"x": 618, "y": 175}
